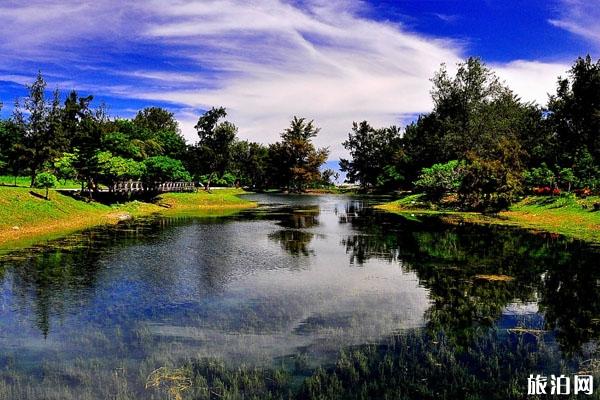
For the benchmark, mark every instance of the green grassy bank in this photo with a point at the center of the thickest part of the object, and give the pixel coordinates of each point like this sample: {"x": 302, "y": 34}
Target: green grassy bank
{"x": 26, "y": 218}
{"x": 567, "y": 216}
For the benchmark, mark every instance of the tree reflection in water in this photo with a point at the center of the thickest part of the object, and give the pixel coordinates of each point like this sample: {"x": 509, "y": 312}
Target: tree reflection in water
{"x": 561, "y": 274}
{"x": 466, "y": 349}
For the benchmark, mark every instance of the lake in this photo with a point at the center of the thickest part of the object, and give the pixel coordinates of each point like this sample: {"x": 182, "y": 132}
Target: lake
{"x": 299, "y": 290}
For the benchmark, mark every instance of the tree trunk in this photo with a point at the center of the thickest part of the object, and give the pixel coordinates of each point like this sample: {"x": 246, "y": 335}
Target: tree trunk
{"x": 47, "y": 193}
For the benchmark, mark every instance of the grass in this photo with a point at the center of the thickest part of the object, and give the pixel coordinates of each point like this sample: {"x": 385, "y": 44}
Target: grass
{"x": 565, "y": 215}
{"x": 26, "y": 217}
{"x": 25, "y": 181}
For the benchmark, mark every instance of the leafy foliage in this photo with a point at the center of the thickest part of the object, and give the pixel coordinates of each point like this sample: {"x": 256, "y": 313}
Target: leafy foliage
{"x": 115, "y": 168}
{"x": 376, "y": 155}
{"x": 295, "y": 157}
{"x": 45, "y": 180}
{"x": 164, "y": 169}
{"x": 440, "y": 179}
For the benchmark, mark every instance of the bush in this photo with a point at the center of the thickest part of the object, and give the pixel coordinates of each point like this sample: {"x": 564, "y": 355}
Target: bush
{"x": 489, "y": 185}
{"x": 539, "y": 177}
{"x": 440, "y": 179}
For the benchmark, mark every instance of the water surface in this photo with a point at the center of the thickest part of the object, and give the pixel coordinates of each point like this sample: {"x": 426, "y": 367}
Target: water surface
{"x": 299, "y": 278}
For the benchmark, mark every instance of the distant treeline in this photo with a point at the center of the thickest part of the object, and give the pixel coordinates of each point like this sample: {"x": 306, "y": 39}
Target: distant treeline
{"x": 481, "y": 144}
{"x": 48, "y": 139}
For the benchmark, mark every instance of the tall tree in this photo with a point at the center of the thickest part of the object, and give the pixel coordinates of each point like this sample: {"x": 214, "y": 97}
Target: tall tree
{"x": 376, "y": 156}
{"x": 574, "y": 112}
{"x": 478, "y": 119}
{"x": 296, "y": 156}
{"x": 249, "y": 163}
{"x": 212, "y": 154}
{"x": 85, "y": 127}
{"x": 43, "y": 139}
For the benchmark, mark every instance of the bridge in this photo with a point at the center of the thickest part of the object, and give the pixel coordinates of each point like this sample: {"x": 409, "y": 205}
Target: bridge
{"x": 129, "y": 187}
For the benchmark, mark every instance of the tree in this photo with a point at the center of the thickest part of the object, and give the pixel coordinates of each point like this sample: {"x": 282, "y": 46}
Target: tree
{"x": 45, "y": 180}
{"x": 493, "y": 182}
{"x": 375, "y": 155}
{"x": 479, "y": 120}
{"x": 574, "y": 112}
{"x": 249, "y": 163}
{"x": 43, "y": 138}
{"x": 84, "y": 127}
{"x": 567, "y": 178}
{"x": 64, "y": 166}
{"x": 158, "y": 133}
{"x": 296, "y": 156}
{"x": 112, "y": 169}
{"x": 539, "y": 176}
{"x": 421, "y": 143}
{"x": 212, "y": 154}
{"x": 586, "y": 170}
{"x": 156, "y": 119}
{"x": 160, "y": 169}
{"x": 10, "y": 146}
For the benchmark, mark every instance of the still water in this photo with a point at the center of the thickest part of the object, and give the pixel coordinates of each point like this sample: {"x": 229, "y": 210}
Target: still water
{"x": 289, "y": 286}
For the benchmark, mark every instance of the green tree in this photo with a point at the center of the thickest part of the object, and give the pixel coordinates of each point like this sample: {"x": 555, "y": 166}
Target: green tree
{"x": 112, "y": 169}
{"x": 41, "y": 127}
{"x": 45, "y": 180}
{"x": 212, "y": 154}
{"x": 586, "y": 170}
{"x": 158, "y": 133}
{"x": 156, "y": 119}
{"x": 84, "y": 127}
{"x": 64, "y": 166}
{"x": 566, "y": 178}
{"x": 249, "y": 163}
{"x": 375, "y": 156}
{"x": 574, "y": 112}
{"x": 10, "y": 146}
{"x": 160, "y": 169}
{"x": 477, "y": 119}
{"x": 493, "y": 182}
{"x": 296, "y": 156}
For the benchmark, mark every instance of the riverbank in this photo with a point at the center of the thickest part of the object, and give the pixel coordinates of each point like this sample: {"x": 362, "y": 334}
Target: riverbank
{"x": 568, "y": 216}
{"x": 27, "y": 218}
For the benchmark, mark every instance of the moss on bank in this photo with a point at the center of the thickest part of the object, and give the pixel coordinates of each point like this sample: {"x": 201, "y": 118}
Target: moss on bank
{"x": 563, "y": 215}
{"x": 26, "y": 217}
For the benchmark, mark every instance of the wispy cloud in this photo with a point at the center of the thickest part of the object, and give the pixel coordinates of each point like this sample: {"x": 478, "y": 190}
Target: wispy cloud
{"x": 264, "y": 60}
{"x": 581, "y": 18}
{"x": 448, "y": 18}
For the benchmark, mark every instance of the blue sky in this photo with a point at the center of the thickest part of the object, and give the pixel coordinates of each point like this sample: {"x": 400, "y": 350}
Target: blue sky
{"x": 335, "y": 61}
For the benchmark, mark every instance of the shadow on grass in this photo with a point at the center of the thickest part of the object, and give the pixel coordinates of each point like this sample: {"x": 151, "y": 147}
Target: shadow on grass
{"x": 39, "y": 196}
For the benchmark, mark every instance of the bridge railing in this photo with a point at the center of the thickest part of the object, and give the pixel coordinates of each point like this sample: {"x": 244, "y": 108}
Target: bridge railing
{"x": 127, "y": 187}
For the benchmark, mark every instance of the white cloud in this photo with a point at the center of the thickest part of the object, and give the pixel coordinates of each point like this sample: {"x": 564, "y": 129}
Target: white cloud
{"x": 581, "y": 18}
{"x": 532, "y": 80}
{"x": 323, "y": 62}
{"x": 265, "y": 60}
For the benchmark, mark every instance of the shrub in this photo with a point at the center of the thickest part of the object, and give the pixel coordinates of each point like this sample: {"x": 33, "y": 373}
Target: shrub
{"x": 440, "y": 179}
{"x": 489, "y": 185}
{"x": 539, "y": 177}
